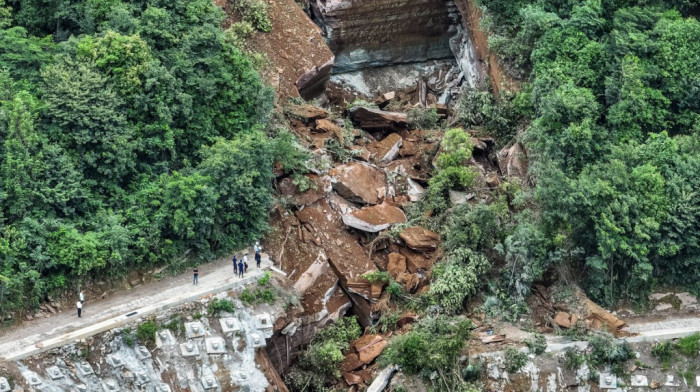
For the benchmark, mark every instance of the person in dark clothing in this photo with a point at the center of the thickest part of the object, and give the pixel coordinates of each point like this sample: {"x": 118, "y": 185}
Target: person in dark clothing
{"x": 235, "y": 265}
{"x": 195, "y": 276}
{"x": 245, "y": 267}
{"x": 240, "y": 268}
{"x": 257, "y": 259}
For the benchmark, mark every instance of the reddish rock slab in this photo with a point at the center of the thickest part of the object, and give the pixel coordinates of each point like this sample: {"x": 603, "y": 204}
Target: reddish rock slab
{"x": 350, "y": 363}
{"x": 374, "y": 218}
{"x": 308, "y": 113}
{"x": 417, "y": 261}
{"x": 352, "y": 378}
{"x": 420, "y": 239}
{"x": 359, "y": 182}
{"x": 369, "y": 347}
{"x": 328, "y": 126}
{"x": 408, "y": 281}
{"x": 378, "y": 120}
{"x": 397, "y": 264}
{"x": 386, "y": 150}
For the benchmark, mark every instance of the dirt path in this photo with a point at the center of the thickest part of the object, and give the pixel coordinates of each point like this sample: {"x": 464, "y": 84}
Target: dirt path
{"x": 213, "y": 276}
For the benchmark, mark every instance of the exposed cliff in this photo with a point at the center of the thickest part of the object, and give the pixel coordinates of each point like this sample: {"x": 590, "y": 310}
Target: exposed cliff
{"x": 366, "y": 34}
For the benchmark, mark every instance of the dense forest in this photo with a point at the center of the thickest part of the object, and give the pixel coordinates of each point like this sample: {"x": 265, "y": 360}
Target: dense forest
{"x": 613, "y": 132}
{"x": 132, "y": 134}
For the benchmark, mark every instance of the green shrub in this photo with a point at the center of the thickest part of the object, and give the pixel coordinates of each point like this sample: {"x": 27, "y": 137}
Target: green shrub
{"x": 457, "y": 277}
{"x": 473, "y": 371}
{"x": 255, "y": 13}
{"x": 689, "y": 345}
{"x": 663, "y": 352}
{"x": 537, "y": 345}
{"x": 451, "y": 170}
{"x": 424, "y": 118}
{"x": 265, "y": 279}
{"x": 574, "y": 358}
{"x": 514, "y": 359}
{"x": 128, "y": 337}
{"x": 146, "y": 332}
{"x": 604, "y": 350}
{"x": 217, "y": 306}
{"x": 258, "y": 296}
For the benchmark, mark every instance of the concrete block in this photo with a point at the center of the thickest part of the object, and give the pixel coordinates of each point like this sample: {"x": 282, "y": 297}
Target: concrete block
{"x": 115, "y": 360}
{"x": 32, "y": 378}
{"x": 142, "y": 352}
{"x": 209, "y": 382}
{"x": 194, "y": 329}
{"x": 215, "y": 345}
{"x": 230, "y": 325}
{"x": 607, "y": 381}
{"x": 110, "y": 385}
{"x": 697, "y": 380}
{"x": 639, "y": 380}
{"x": 165, "y": 338}
{"x": 4, "y": 385}
{"x": 263, "y": 323}
{"x": 54, "y": 372}
{"x": 84, "y": 369}
{"x": 258, "y": 340}
{"x": 671, "y": 381}
{"x": 141, "y": 378}
{"x": 189, "y": 349}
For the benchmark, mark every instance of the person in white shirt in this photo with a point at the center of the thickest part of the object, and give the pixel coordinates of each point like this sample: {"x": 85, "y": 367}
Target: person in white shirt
{"x": 82, "y": 297}
{"x": 79, "y": 305}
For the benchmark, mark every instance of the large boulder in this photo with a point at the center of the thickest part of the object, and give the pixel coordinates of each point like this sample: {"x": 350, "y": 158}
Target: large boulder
{"x": 328, "y": 126}
{"x": 306, "y": 113}
{"x": 359, "y": 182}
{"x": 378, "y": 120}
{"x": 375, "y": 218}
{"x": 597, "y": 317}
{"x": 369, "y": 347}
{"x": 396, "y": 265}
{"x": 385, "y": 150}
{"x": 420, "y": 239}
{"x": 513, "y": 161}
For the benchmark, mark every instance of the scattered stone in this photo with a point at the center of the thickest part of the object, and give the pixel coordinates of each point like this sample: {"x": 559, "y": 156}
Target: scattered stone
{"x": 415, "y": 191}
{"x": 306, "y": 113}
{"x": 378, "y": 120}
{"x": 360, "y": 153}
{"x": 396, "y": 265}
{"x": 385, "y": 150}
{"x": 420, "y": 239}
{"x": 492, "y": 180}
{"x": 375, "y": 218}
{"x": 654, "y": 384}
{"x": 598, "y": 317}
{"x": 329, "y": 126}
{"x": 385, "y": 99}
{"x": 350, "y": 363}
{"x": 663, "y": 306}
{"x": 258, "y": 341}
{"x": 408, "y": 281}
{"x": 383, "y": 379}
{"x": 457, "y": 198}
{"x": 358, "y": 182}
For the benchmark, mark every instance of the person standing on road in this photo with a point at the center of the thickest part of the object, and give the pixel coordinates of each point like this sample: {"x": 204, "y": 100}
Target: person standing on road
{"x": 235, "y": 265}
{"x": 240, "y": 267}
{"x": 257, "y": 259}
{"x": 245, "y": 267}
{"x": 79, "y": 305}
{"x": 82, "y": 297}
{"x": 195, "y": 276}
{"x": 257, "y": 248}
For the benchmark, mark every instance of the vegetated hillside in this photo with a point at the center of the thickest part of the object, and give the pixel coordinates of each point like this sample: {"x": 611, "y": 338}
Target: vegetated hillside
{"x": 614, "y": 140}
{"x": 132, "y": 135}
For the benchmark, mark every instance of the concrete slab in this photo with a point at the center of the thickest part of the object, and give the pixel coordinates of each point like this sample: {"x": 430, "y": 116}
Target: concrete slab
{"x": 215, "y": 345}
{"x": 263, "y": 323}
{"x": 209, "y": 382}
{"x": 55, "y": 373}
{"x": 194, "y": 330}
{"x": 4, "y": 385}
{"x": 84, "y": 369}
{"x": 165, "y": 338}
{"x": 697, "y": 381}
{"x": 141, "y": 378}
{"x": 110, "y": 385}
{"x": 671, "y": 381}
{"x": 229, "y": 325}
{"x": 142, "y": 352}
{"x": 32, "y": 378}
{"x": 189, "y": 349}
{"x": 115, "y": 360}
{"x": 607, "y": 381}
{"x": 639, "y": 380}
{"x": 257, "y": 340}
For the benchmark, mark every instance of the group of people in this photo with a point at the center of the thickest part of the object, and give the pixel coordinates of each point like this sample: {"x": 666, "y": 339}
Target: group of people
{"x": 240, "y": 267}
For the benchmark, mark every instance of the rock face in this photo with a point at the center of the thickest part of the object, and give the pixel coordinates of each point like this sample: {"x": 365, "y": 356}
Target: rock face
{"x": 359, "y": 182}
{"x": 375, "y": 218}
{"x": 420, "y": 239}
{"x": 513, "y": 161}
{"x": 367, "y": 34}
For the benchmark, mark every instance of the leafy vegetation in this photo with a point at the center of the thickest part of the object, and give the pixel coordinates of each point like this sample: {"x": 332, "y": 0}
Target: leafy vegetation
{"x": 132, "y": 136}
{"x": 146, "y": 332}
{"x": 514, "y": 359}
{"x": 612, "y": 141}
{"x": 319, "y": 363}
{"x": 216, "y": 306}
